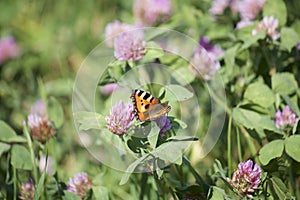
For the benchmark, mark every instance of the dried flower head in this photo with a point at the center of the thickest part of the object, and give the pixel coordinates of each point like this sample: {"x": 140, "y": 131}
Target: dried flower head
{"x": 150, "y": 12}
{"x": 130, "y": 45}
{"x": 50, "y": 165}
{"x": 113, "y": 29}
{"x": 80, "y": 184}
{"x": 268, "y": 24}
{"x": 246, "y": 179}
{"x": 8, "y": 49}
{"x": 249, "y": 9}
{"x": 120, "y": 118}
{"x": 163, "y": 122}
{"x": 26, "y": 191}
{"x": 203, "y": 64}
{"x": 41, "y": 129}
{"x": 286, "y": 117}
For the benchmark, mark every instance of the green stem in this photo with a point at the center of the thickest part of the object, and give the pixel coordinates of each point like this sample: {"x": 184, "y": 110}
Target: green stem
{"x": 143, "y": 185}
{"x": 172, "y": 193}
{"x": 7, "y": 181}
{"x": 198, "y": 178}
{"x": 35, "y": 174}
{"x": 249, "y": 141}
{"x": 83, "y": 100}
{"x": 266, "y": 54}
{"x": 229, "y": 146}
{"x": 239, "y": 144}
{"x": 218, "y": 100}
{"x": 291, "y": 182}
{"x": 180, "y": 174}
{"x": 15, "y": 182}
{"x": 158, "y": 183}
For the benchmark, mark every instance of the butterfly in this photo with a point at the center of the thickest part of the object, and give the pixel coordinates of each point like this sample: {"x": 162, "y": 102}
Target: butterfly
{"x": 148, "y": 107}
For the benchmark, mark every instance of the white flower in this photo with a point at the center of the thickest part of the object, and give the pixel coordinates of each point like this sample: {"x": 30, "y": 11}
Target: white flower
{"x": 268, "y": 24}
{"x": 50, "y": 165}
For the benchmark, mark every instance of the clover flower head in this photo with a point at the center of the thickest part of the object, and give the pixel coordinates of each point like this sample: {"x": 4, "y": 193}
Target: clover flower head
{"x": 8, "y": 49}
{"x": 268, "y": 24}
{"x": 249, "y": 9}
{"x": 234, "y": 5}
{"x": 149, "y": 12}
{"x": 218, "y": 7}
{"x": 109, "y": 88}
{"x": 120, "y": 118}
{"x": 27, "y": 191}
{"x": 298, "y": 46}
{"x": 41, "y": 129}
{"x": 164, "y": 123}
{"x": 113, "y": 29}
{"x": 214, "y": 50}
{"x": 130, "y": 45}
{"x": 203, "y": 64}
{"x": 246, "y": 178}
{"x": 244, "y": 23}
{"x": 286, "y": 117}
{"x": 39, "y": 108}
{"x": 80, "y": 184}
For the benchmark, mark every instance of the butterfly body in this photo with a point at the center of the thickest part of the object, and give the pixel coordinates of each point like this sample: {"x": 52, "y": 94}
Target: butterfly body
{"x": 148, "y": 107}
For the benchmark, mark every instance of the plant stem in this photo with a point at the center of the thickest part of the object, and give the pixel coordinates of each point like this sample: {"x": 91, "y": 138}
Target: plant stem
{"x": 180, "y": 174}
{"x": 291, "y": 182}
{"x": 173, "y": 194}
{"x": 158, "y": 185}
{"x": 8, "y": 166}
{"x": 229, "y": 146}
{"x": 15, "y": 182}
{"x": 35, "y": 174}
{"x": 198, "y": 178}
{"x": 238, "y": 138}
{"x": 249, "y": 141}
{"x": 143, "y": 185}
{"x": 218, "y": 100}
{"x": 158, "y": 182}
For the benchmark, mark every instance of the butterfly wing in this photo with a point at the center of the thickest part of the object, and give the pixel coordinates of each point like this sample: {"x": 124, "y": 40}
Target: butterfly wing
{"x": 147, "y": 106}
{"x": 157, "y": 110}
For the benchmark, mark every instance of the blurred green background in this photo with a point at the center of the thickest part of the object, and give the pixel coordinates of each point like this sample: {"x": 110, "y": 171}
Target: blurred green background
{"x": 54, "y": 38}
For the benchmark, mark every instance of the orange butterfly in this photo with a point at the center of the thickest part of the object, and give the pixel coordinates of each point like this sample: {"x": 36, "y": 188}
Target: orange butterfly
{"x": 148, "y": 107}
